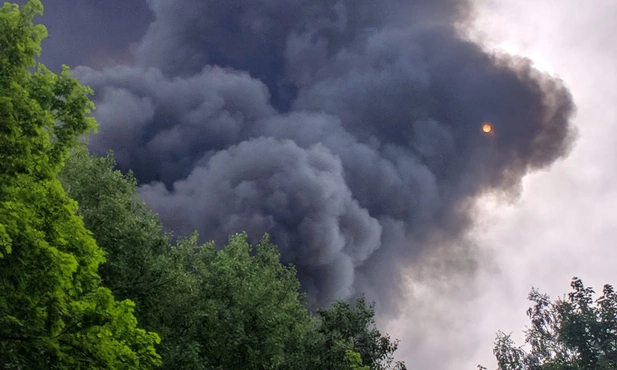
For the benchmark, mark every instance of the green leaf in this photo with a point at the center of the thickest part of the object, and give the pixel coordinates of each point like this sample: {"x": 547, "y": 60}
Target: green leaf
{"x": 53, "y": 311}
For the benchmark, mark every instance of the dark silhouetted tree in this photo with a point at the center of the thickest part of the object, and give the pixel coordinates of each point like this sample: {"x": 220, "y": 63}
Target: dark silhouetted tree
{"x": 572, "y": 333}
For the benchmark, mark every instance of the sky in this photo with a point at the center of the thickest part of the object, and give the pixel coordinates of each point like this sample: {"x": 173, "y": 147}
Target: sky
{"x": 563, "y": 224}
{"x": 352, "y": 133}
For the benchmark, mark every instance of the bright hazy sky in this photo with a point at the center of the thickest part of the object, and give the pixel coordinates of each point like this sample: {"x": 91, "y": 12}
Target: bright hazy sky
{"x": 565, "y": 223}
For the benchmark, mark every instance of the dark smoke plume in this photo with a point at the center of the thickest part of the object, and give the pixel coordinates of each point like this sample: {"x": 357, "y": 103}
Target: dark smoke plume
{"x": 349, "y": 130}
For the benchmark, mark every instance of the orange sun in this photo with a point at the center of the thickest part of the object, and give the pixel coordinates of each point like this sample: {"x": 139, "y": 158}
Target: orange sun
{"x": 487, "y": 128}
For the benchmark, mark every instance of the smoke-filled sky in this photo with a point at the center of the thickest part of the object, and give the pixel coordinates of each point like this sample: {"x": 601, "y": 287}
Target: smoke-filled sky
{"x": 351, "y": 131}
{"x": 563, "y": 225}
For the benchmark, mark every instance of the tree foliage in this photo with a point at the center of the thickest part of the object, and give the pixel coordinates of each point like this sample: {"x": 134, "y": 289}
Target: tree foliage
{"x": 213, "y": 308}
{"x": 54, "y": 314}
{"x": 572, "y": 333}
{"x": 250, "y": 315}
{"x": 233, "y": 307}
{"x": 140, "y": 263}
{"x": 354, "y": 361}
{"x": 351, "y": 327}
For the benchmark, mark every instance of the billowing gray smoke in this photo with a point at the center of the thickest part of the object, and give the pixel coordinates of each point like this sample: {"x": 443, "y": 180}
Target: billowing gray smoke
{"x": 349, "y": 130}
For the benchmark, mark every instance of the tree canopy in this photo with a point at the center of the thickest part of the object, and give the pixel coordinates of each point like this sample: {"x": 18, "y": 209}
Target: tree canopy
{"x": 54, "y": 313}
{"x": 572, "y": 333}
{"x": 347, "y": 327}
{"x": 235, "y": 306}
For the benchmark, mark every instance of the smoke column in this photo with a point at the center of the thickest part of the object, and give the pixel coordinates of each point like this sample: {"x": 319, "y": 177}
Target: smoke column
{"x": 349, "y": 130}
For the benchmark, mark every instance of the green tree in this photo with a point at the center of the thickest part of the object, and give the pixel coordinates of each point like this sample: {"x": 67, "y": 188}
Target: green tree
{"x": 354, "y": 361}
{"x": 54, "y": 314}
{"x": 572, "y": 333}
{"x": 250, "y": 313}
{"x": 184, "y": 291}
{"x": 213, "y": 308}
{"x": 346, "y": 327}
{"x": 141, "y": 264}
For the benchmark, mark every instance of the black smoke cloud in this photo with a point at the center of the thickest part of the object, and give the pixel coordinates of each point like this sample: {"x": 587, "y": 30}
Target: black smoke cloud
{"x": 95, "y": 32}
{"x": 348, "y": 130}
